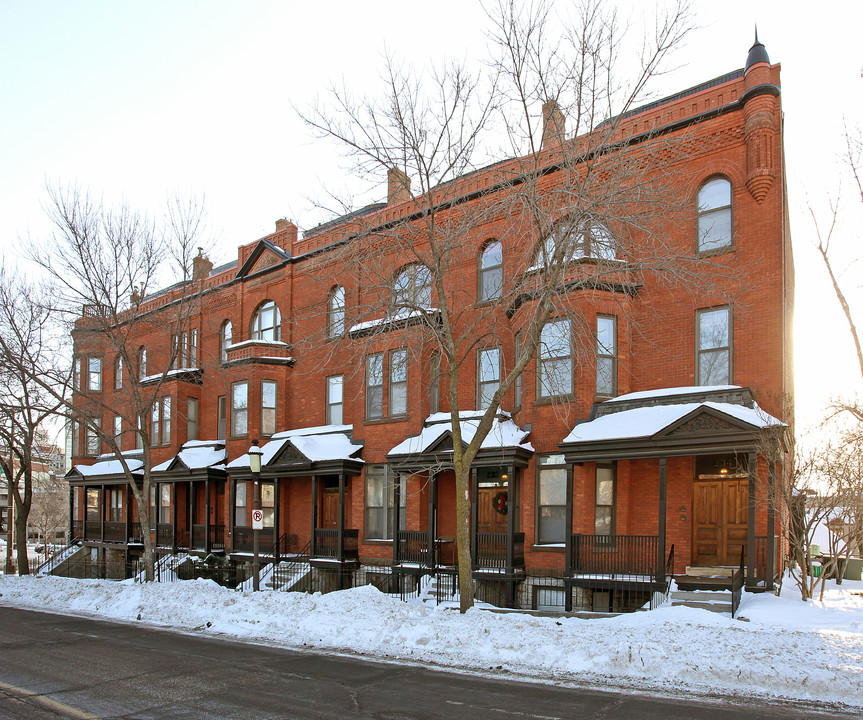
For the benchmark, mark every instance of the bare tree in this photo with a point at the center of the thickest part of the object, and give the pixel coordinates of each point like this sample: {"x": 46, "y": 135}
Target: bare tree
{"x": 26, "y": 348}
{"x": 105, "y": 263}
{"x": 559, "y": 202}
{"x": 49, "y": 510}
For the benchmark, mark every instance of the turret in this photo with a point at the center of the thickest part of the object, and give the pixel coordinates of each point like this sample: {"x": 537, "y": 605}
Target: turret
{"x": 760, "y": 103}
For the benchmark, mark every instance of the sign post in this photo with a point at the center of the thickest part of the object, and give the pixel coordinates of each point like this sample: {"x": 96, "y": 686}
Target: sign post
{"x": 257, "y": 514}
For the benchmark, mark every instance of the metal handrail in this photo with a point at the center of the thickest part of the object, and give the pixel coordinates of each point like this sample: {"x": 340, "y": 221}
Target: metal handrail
{"x": 737, "y": 581}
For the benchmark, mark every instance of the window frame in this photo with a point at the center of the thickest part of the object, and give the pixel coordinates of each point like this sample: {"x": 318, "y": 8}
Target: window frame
{"x": 376, "y": 413}
{"x": 160, "y": 421}
{"x": 700, "y": 352}
{"x": 118, "y": 428}
{"x": 335, "y": 381}
{"x": 394, "y": 408}
{"x": 267, "y": 411}
{"x": 244, "y": 486}
{"x": 552, "y": 462}
{"x": 517, "y": 386}
{"x": 77, "y": 370}
{"x": 118, "y": 372}
{"x": 92, "y": 441}
{"x": 142, "y": 363}
{"x": 434, "y": 382}
{"x": 258, "y": 331}
{"x": 237, "y": 412}
{"x": 583, "y": 245}
{"x": 610, "y": 357}
{"x": 480, "y": 383}
{"x": 226, "y": 335}
{"x": 192, "y": 418}
{"x": 484, "y": 271}
{"x": 336, "y": 312}
{"x": 382, "y": 473}
{"x": 222, "y": 417}
{"x": 700, "y": 215}
{"x": 612, "y": 519}
{"x": 94, "y": 376}
{"x": 412, "y": 294}
{"x": 542, "y": 361}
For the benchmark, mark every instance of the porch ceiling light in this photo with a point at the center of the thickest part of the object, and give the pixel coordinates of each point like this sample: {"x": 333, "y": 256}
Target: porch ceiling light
{"x": 255, "y": 454}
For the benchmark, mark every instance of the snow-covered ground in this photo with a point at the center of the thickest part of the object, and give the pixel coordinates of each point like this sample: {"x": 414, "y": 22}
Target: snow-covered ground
{"x": 787, "y": 649}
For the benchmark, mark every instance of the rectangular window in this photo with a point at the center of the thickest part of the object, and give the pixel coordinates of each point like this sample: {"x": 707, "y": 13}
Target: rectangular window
{"x": 551, "y": 500}
{"x": 434, "y": 383}
{"x": 160, "y": 422}
{"x": 240, "y": 505}
{"x": 76, "y": 438}
{"x": 398, "y": 383}
{"x": 606, "y": 355}
{"x": 191, "y": 419}
{"x": 152, "y": 516}
{"x": 222, "y": 410}
{"x": 165, "y": 504}
{"x": 118, "y": 372}
{"x": 488, "y": 376}
{"x": 714, "y": 346}
{"x": 335, "y": 401}
{"x": 268, "y": 503}
{"x": 380, "y": 496}
{"x": 76, "y": 374}
{"x": 118, "y": 428}
{"x": 176, "y": 352}
{"x": 166, "y": 420}
{"x": 268, "y": 407}
{"x": 375, "y": 386}
{"x": 92, "y": 438}
{"x": 115, "y": 513}
{"x": 93, "y": 504}
{"x": 192, "y": 355}
{"x": 604, "y": 522}
{"x": 555, "y": 359}
{"x": 94, "y": 374}
{"x": 239, "y": 409}
{"x": 518, "y": 379}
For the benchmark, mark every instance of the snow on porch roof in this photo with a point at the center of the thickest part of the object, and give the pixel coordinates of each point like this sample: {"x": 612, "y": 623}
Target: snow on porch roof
{"x": 199, "y": 454}
{"x": 318, "y": 444}
{"x": 670, "y": 392}
{"x": 108, "y": 464}
{"x": 645, "y": 422}
{"x": 504, "y": 434}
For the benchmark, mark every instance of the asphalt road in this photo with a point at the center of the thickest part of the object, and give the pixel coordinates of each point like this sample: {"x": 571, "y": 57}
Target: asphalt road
{"x": 52, "y": 666}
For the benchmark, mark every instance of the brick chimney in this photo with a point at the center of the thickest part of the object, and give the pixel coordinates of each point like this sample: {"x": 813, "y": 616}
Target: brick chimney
{"x": 398, "y": 186}
{"x": 553, "y": 124}
{"x": 201, "y": 266}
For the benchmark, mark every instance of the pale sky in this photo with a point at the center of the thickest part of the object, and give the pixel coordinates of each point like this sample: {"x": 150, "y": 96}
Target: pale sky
{"x": 136, "y": 100}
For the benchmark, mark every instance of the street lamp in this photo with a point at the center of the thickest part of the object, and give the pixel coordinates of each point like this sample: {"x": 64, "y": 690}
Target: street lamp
{"x": 257, "y": 520}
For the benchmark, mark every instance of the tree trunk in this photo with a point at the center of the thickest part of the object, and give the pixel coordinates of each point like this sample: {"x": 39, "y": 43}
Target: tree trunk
{"x": 21, "y": 544}
{"x": 463, "y": 530}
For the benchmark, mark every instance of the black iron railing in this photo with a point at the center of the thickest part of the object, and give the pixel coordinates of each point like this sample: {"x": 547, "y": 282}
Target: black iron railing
{"x": 77, "y": 529}
{"x": 164, "y": 535}
{"x": 244, "y": 540}
{"x": 327, "y": 544}
{"x": 115, "y": 532}
{"x": 217, "y": 537}
{"x": 619, "y": 556}
{"x": 738, "y": 579}
{"x": 199, "y": 537}
{"x": 92, "y": 530}
{"x": 491, "y": 551}
{"x": 413, "y": 548}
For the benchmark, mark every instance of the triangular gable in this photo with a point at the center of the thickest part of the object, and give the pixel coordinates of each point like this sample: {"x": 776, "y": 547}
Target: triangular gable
{"x": 288, "y": 455}
{"x": 704, "y": 421}
{"x": 444, "y": 443}
{"x": 265, "y": 255}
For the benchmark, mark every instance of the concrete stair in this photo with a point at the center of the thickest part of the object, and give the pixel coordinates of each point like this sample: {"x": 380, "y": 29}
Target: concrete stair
{"x": 718, "y": 601}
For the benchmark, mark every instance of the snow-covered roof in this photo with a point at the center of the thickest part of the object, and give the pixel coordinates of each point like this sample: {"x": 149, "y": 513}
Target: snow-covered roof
{"x": 197, "y": 455}
{"x": 402, "y": 315}
{"x": 244, "y": 343}
{"x": 167, "y": 375}
{"x": 646, "y": 422}
{"x": 108, "y": 464}
{"x": 672, "y": 391}
{"x": 317, "y": 444}
{"x": 504, "y": 433}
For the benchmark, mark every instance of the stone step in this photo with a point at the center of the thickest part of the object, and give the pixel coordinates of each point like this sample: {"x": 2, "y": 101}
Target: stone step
{"x": 716, "y": 607}
{"x": 701, "y": 595}
{"x": 710, "y": 571}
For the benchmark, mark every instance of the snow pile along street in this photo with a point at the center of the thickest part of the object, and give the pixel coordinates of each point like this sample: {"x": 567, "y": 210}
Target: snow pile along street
{"x": 788, "y": 649}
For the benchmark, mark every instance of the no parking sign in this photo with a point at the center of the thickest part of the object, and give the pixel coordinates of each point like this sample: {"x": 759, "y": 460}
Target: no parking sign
{"x": 257, "y": 519}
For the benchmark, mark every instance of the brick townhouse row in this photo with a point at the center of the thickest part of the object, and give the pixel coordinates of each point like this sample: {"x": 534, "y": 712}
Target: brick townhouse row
{"x": 637, "y": 435}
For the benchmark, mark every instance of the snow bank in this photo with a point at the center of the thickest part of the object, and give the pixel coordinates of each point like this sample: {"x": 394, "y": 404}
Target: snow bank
{"x": 788, "y": 649}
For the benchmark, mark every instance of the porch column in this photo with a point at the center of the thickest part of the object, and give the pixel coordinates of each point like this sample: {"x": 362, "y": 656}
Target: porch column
{"x": 340, "y": 553}
{"x": 396, "y": 524}
{"x": 511, "y": 490}
{"x": 276, "y": 519}
{"x": 568, "y": 535}
{"x": 192, "y": 500}
{"x": 173, "y": 517}
{"x": 72, "y": 517}
{"x": 128, "y": 508}
{"x": 314, "y": 514}
{"x": 474, "y": 489}
{"x": 431, "y": 524}
{"x": 750, "y": 521}
{"x": 102, "y": 510}
{"x": 207, "y": 544}
{"x": 232, "y": 499}
{"x": 771, "y": 524}
{"x": 660, "y": 544}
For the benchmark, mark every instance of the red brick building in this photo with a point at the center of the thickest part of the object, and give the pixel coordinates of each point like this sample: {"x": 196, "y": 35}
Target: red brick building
{"x": 634, "y": 430}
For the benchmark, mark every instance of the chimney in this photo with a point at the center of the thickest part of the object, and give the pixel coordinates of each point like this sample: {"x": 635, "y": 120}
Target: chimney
{"x": 286, "y": 232}
{"x": 135, "y": 297}
{"x": 553, "y": 124}
{"x": 398, "y": 186}
{"x": 201, "y": 266}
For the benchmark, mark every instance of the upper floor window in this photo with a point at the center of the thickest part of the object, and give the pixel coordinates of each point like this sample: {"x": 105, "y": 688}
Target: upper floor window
{"x": 92, "y": 443}
{"x": 517, "y": 384}
{"x": 555, "y": 359}
{"x": 714, "y": 215}
{"x": 380, "y": 502}
{"x": 142, "y": 363}
{"x": 488, "y": 376}
{"x": 412, "y": 288}
{"x": 570, "y": 241}
{"x": 398, "y": 382}
{"x": 225, "y": 335}
{"x": 221, "y": 417}
{"x": 603, "y": 523}
{"x": 191, "y": 418}
{"x": 336, "y": 312}
{"x": 490, "y": 271}
{"x": 94, "y": 374}
{"x": 551, "y": 500}
{"x": 239, "y": 409}
{"x": 335, "y": 401}
{"x": 160, "y": 422}
{"x": 606, "y": 355}
{"x": 118, "y": 372}
{"x": 267, "y": 323}
{"x": 434, "y": 382}
{"x": 714, "y": 346}
{"x": 76, "y": 374}
{"x": 268, "y": 407}
{"x": 375, "y": 386}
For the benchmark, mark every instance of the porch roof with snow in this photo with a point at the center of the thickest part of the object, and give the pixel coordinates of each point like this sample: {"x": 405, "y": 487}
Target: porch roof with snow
{"x": 674, "y": 422}
{"x": 197, "y": 460}
{"x": 323, "y": 450}
{"x": 107, "y": 470}
{"x": 506, "y": 443}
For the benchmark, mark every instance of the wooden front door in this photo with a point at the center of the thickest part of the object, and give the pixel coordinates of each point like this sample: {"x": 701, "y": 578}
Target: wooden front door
{"x": 330, "y": 508}
{"x": 488, "y": 518}
{"x": 719, "y": 521}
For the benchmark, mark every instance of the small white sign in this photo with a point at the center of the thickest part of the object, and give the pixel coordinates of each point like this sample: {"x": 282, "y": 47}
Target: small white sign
{"x": 257, "y": 519}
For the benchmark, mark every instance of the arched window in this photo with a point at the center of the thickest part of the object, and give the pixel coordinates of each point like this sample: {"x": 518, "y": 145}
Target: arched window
{"x": 714, "y": 215}
{"x": 142, "y": 363}
{"x": 412, "y": 287}
{"x": 490, "y": 271}
{"x": 336, "y": 312}
{"x": 267, "y": 323}
{"x": 225, "y": 337}
{"x": 568, "y": 241}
